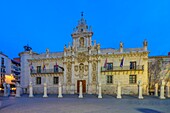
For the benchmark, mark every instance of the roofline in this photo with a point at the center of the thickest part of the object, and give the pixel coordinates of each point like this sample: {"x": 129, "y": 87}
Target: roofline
{"x": 159, "y": 56}
{"x": 3, "y": 54}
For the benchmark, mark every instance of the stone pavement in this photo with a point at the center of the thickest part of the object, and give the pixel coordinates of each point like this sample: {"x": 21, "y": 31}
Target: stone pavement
{"x": 88, "y": 104}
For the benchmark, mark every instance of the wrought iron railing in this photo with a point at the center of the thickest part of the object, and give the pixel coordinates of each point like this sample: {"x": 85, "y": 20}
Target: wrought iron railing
{"x": 118, "y": 68}
{"x": 46, "y": 71}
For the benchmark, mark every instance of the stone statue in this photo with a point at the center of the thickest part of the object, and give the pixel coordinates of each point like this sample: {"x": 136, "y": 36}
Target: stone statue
{"x": 47, "y": 51}
{"x": 82, "y": 42}
{"x": 30, "y": 52}
{"x": 98, "y": 46}
{"x": 94, "y": 42}
{"x": 145, "y": 43}
{"x": 121, "y": 45}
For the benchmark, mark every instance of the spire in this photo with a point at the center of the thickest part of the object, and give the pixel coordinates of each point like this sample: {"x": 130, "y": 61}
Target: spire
{"x": 82, "y": 21}
{"x": 82, "y": 26}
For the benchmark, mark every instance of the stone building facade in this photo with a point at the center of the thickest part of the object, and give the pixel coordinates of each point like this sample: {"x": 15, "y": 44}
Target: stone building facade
{"x": 158, "y": 70}
{"x": 88, "y": 63}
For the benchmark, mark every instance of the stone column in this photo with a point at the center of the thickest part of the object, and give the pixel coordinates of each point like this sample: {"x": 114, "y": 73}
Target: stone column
{"x": 162, "y": 95}
{"x": 98, "y": 71}
{"x": 87, "y": 42}
{"x": 119, "y": 90}
{"x": 45, "y": 90}
{"x": 18, "y": 89}
{"x": 60, "y": 91}
{"x": 90, "y": 41}
{"x": 100, "y": 91}
{"x": 156, "y": 89}
{"x": 65, "y": 78}
{"x": 90, "y": 78}
{"x": 72, "y": 78}
{"x": 80, "y": 91}
{"x": 140, "y": 90}
{"x": 31, "y": 90}
{"x": 167, "y": 90}
{"x": 74, "y": 42}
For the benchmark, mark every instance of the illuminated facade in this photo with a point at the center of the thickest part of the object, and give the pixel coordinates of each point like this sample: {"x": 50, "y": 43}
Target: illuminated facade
{"x": 5, "y": 67}
{"x": 9, "y": 69}
{"x": 88, "y": 63}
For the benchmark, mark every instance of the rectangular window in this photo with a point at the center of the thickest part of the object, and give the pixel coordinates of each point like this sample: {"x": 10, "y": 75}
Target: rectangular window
{"x": 109, "y": 66}
{"x": 55, "y": 80}
{"x": 132, "y": 79}
{"x": 38, "y": 69}
{"x": 2, "y": 61}
{"x": 109, "y": 79}
{"x": 133, "y": 65}
{"x": 38, "y": 80}
{"x": 3, "y": 70}
{"x": 55, "y": 68}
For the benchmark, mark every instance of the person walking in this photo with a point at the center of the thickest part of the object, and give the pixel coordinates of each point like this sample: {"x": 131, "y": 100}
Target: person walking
{"x": 8, "y": 88}
{"x": 5, "y": 89}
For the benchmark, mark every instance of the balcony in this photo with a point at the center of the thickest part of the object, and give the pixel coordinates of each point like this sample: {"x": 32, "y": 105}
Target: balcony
{"x": 124, "y": 68}
{"x": 47, "y": 71}
{"x": 3, "y": 66}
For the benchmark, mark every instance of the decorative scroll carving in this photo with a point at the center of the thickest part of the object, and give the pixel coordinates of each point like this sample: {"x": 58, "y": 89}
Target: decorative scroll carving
{"x": 69, "y": 72}
{"x": 93, "y": 77}
{"x": 94, "y": 66}
{"x": 94, "y": 72}
{"x": 81, "y": 57}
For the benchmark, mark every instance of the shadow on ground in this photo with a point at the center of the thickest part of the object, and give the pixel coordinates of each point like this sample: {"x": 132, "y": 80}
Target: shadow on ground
{"x": 146, "y": 110}
{"x": 2, "y": 107}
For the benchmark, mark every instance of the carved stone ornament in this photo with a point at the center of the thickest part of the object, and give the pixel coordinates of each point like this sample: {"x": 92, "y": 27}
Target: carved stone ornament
{"x": 94, "y": 78}
{"x": 94, "y": 66}
{"x": 81, "y": 68}
{"x": 86, "y": 67}
{"x": 76, "y": 68}
{"x": 81, "y": 57}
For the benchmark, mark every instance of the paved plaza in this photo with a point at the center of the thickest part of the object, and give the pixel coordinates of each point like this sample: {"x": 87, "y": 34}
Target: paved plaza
{"x": 89, "y": 104}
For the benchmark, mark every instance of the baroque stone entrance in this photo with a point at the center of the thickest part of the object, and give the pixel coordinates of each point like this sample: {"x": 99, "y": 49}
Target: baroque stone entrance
{"x": 83, "y": 84}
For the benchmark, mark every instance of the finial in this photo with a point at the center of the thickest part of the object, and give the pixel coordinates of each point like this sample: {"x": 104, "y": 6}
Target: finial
{"x": 82, "y": 14}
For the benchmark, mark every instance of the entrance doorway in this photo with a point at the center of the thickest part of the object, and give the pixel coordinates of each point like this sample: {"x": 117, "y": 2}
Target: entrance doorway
{"x": 83, "y": 85}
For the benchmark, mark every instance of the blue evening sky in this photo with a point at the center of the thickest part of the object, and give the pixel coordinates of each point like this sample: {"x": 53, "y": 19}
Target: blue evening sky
{"x": 49, "y": 24}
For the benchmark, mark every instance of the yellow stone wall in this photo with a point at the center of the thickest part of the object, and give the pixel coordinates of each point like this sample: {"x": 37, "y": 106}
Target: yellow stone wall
{"x": 123, "y": 76}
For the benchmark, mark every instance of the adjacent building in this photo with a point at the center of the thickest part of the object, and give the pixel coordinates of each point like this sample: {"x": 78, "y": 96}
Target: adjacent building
{"x": 86, "y": 62}
{"x": 10, "y": 70}
{"x": 159, "y": 69}
{"x": 16, "y": 69}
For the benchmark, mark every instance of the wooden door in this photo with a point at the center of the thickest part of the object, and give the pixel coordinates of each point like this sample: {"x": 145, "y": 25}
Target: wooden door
{"x": 83, "y": 84}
